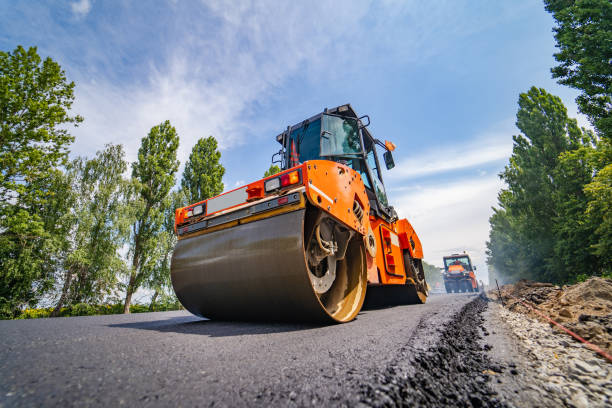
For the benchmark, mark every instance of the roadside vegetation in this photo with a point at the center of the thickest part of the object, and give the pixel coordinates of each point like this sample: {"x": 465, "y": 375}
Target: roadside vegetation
{"x": 86, "y": 309}
{"x": 553, "y": 221}
{"x": 84, "y": 234}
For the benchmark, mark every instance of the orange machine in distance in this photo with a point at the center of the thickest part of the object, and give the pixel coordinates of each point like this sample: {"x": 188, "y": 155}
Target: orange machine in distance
{"x": 459, "y": 274}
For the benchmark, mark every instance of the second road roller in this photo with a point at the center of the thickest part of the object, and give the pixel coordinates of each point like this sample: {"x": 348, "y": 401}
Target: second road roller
{"x": 308, "y": 244}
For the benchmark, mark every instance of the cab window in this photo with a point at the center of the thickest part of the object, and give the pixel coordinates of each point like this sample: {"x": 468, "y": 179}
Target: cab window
{"x": 379, "y": 188}
{"x": 304, "y": 143}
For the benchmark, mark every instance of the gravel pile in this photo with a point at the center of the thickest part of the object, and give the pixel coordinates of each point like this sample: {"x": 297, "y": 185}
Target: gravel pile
{"x": 563, "y": 371}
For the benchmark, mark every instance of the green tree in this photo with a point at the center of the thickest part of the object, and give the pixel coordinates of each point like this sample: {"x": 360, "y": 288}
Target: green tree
{"x": 153, "y": 177}
{"x": 95, "y": 226}
{"x": 158, "y": 265}
{"x": 599, "y": 216}
{"x": 203, "y": 174}
{"x": 35, "y": 101}
{"x": 272, "y": 170}
{"x": 432, "y": 274}
{"x": 584, "y": 39}
{"x": 573, "y": 233}
{"x": 536, "y": 223}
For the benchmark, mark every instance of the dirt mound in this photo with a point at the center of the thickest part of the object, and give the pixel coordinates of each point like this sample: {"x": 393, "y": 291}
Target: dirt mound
{"x": 534, "y": 292}
{"x": 593, "y": 297}
{"x": 585, "y": 308}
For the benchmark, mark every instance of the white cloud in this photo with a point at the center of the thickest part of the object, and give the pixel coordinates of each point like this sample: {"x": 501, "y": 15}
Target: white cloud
{"x": 484, "y": 149}
{"x": 81, "y": 8}
{"x": 211, "y": 79}
{"x": 445, "y": 160}
{"x": 452, "y": 218}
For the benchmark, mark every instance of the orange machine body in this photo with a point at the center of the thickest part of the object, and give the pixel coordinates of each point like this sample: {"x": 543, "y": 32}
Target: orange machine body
{"x": 335, "y": 189}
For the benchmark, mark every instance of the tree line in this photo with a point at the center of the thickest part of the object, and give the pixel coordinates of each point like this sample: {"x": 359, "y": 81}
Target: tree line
{"x": 554, "y": 219}
{"x": 84, "y": 230}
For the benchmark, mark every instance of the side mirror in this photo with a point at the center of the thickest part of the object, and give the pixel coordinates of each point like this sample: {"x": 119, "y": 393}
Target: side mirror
{"x": 389, "y": 160}
{"x": 475, "y": 267}
{"x": 361, "y": 120}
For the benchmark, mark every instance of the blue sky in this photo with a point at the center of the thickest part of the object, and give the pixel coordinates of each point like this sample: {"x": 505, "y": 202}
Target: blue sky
{"x": 440, "y": 79}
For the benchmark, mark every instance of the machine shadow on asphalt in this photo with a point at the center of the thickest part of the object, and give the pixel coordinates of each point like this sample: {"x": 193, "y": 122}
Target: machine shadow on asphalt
{"x": 193, "y": 325}
{"x": 219, "y": 328}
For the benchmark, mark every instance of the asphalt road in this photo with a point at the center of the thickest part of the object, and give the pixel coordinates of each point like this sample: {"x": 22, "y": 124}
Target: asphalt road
{"x": 176, "y": 359}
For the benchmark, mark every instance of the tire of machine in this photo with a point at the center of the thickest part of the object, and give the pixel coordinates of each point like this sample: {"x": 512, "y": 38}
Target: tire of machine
{"x": 258, "y": 271}
{"x": 414, "y": 269}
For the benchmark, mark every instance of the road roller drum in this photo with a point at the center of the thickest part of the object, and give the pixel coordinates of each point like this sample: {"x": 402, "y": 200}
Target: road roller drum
{"x": 259, "y": 271}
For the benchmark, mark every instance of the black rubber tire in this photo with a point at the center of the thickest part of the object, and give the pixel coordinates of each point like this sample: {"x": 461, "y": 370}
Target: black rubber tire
{"x": 414, "y": 269}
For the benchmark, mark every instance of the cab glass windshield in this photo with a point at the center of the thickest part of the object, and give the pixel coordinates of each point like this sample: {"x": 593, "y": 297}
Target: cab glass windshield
{"x": 339, "y": 136}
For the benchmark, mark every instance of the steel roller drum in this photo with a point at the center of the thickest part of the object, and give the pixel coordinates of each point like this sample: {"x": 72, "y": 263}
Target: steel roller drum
{"x": 258, "y": 271}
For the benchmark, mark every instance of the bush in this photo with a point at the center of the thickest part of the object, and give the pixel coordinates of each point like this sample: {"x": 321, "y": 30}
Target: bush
{"x": 34, "y": 313}
{"x": 136, "y": 308}
{"x": 84, "y": 309}
{"x": 581, "y": 277}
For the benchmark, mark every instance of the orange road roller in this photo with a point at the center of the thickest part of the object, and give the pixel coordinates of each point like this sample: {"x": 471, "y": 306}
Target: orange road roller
{"x": 308, "y": 244}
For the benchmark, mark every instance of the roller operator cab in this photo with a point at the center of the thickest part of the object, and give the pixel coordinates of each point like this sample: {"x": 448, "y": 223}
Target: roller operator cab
{"x": 459, "y": 274}
{"x": 305, "y": 244}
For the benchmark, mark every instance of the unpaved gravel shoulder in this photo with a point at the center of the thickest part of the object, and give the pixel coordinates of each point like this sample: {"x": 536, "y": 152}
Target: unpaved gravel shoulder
{"x": 550, "y": 366}
{"x": 513, "y": 380}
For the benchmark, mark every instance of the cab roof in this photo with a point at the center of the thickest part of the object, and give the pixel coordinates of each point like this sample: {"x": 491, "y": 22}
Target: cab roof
{"x": 456, "y": 255}
{"x": 342, "y": 110}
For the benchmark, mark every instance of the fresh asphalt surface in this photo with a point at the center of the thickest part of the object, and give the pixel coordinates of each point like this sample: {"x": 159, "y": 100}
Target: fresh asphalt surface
{"x": 177, "y": 359}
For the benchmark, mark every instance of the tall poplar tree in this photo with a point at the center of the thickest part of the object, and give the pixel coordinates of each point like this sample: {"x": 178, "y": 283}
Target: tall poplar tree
{"x": 203, "y": 174}
{"x": 158, "y": 264}
{"x": 153, "y": 175}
